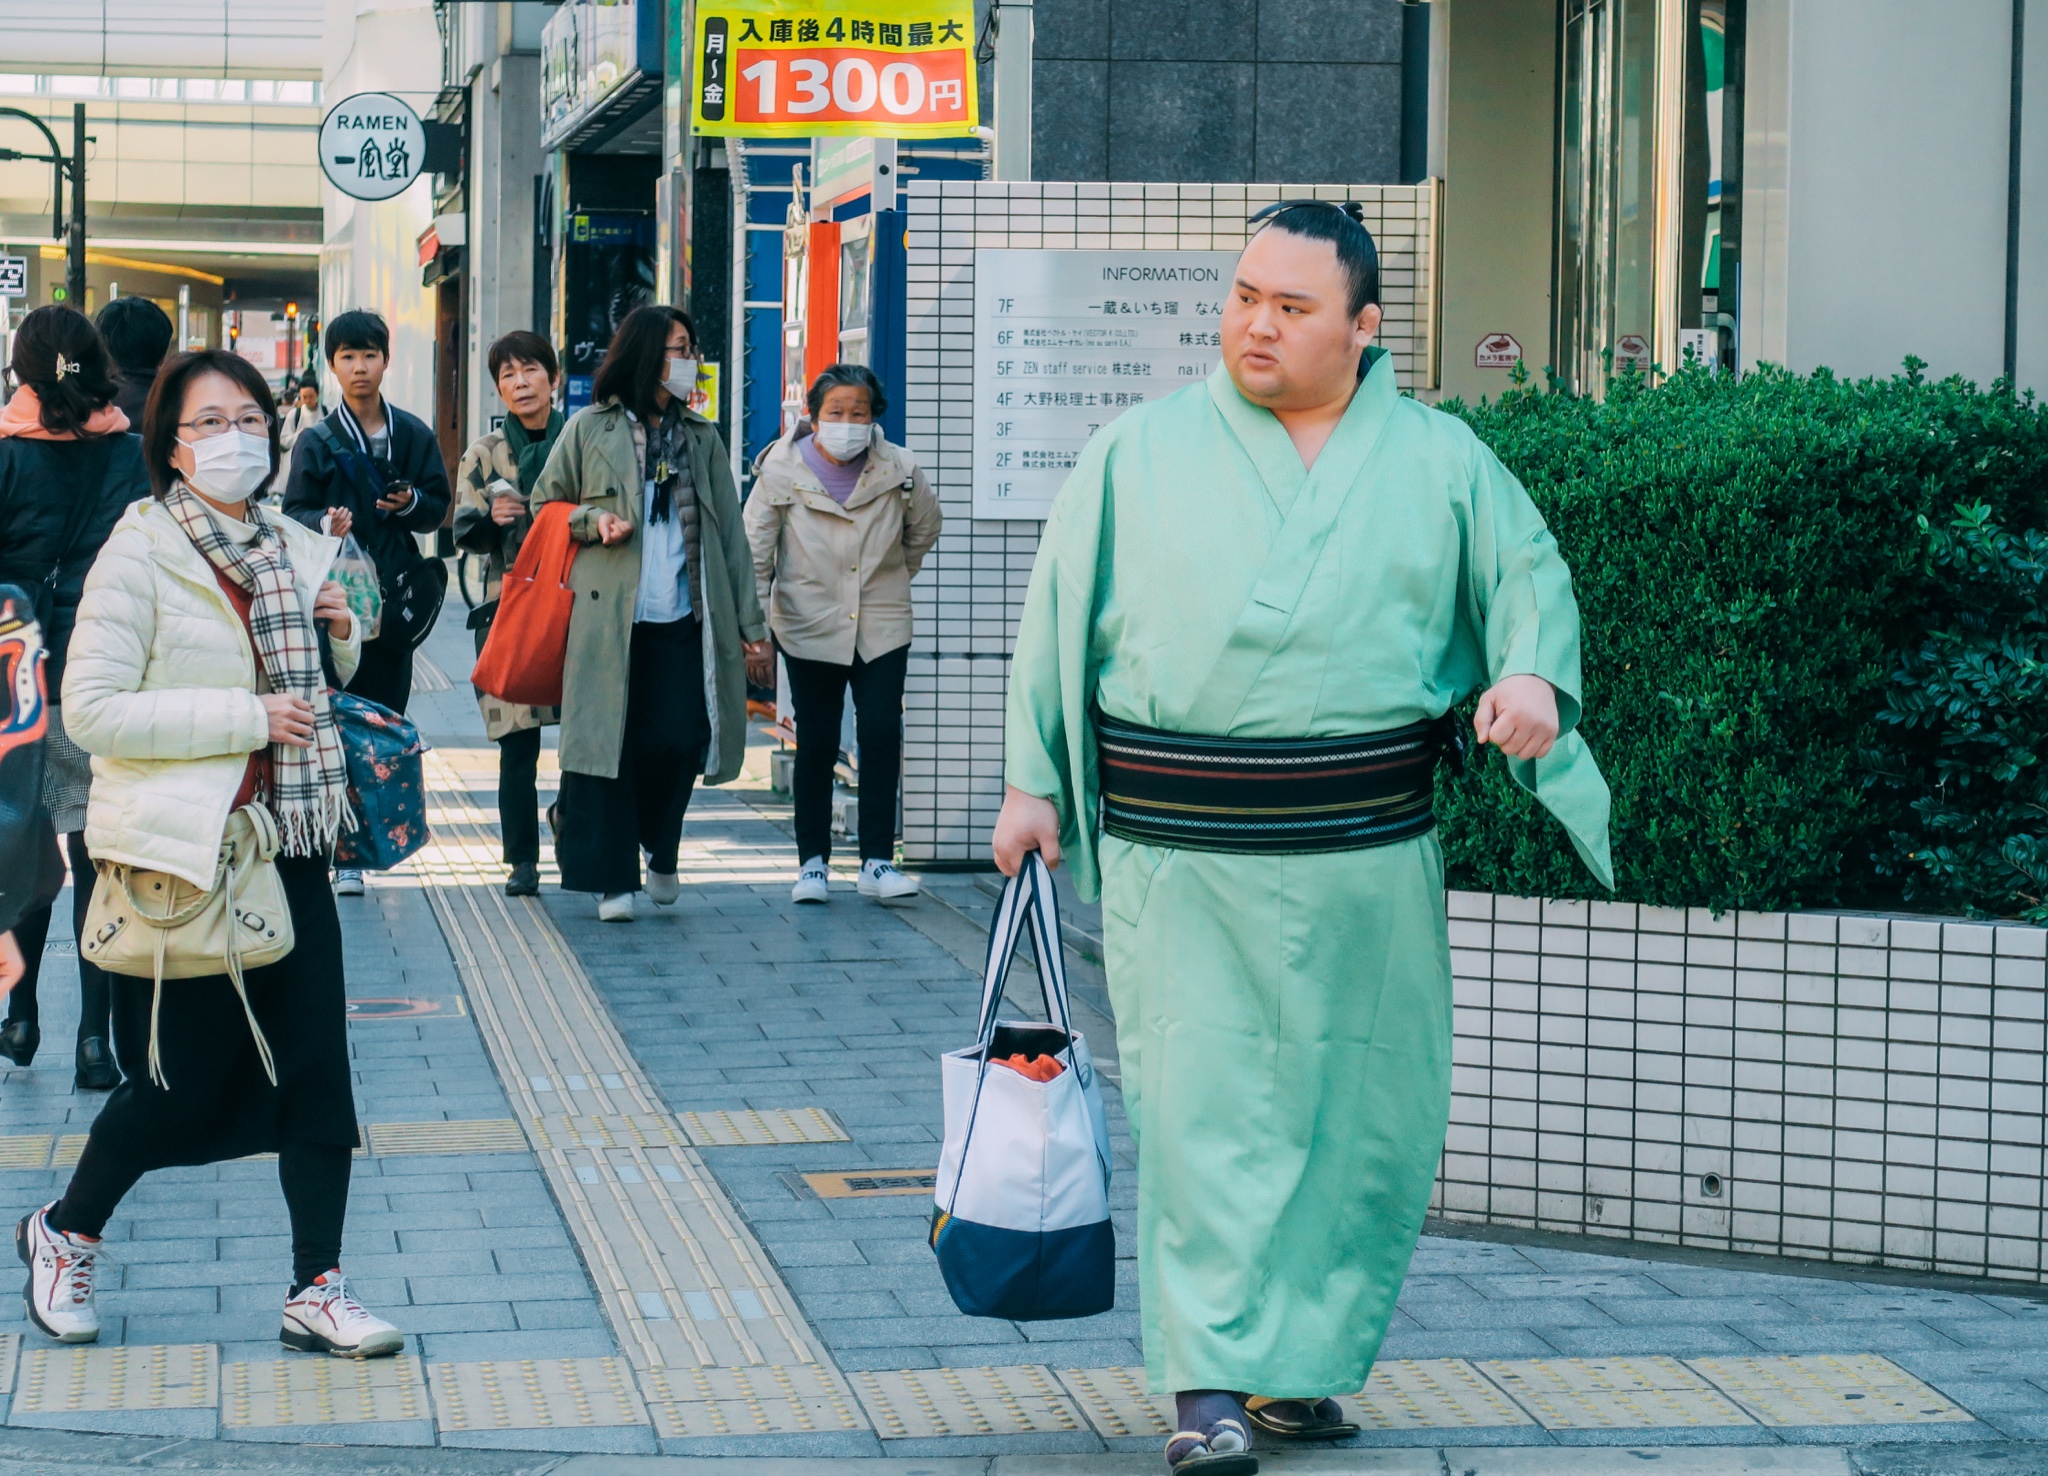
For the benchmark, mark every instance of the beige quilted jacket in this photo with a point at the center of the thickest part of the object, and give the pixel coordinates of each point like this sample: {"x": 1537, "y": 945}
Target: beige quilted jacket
{"x": 160, "y": 688}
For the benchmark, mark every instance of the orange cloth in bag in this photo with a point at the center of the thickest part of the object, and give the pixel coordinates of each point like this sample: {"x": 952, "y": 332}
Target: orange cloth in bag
{"x": 528, "y": 643}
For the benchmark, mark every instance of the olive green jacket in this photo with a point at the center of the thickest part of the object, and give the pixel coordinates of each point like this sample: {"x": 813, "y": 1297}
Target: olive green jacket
{"x": 597, "y": 465}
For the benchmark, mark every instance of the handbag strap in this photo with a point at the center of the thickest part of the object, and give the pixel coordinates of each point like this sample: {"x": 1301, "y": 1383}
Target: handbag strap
{"x": 1028, "y": 901}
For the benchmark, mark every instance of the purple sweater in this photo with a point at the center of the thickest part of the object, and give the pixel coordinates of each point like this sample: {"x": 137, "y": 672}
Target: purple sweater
{"x": 838, "y": 480}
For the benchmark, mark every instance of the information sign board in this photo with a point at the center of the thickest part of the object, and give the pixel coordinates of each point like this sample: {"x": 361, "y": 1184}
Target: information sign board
{"x": 13, "y": 276}
{"x": 1066, "y": 341}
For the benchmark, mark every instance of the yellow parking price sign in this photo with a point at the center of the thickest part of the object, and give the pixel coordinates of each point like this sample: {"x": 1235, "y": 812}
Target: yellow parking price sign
{"x": 802, "y": 68}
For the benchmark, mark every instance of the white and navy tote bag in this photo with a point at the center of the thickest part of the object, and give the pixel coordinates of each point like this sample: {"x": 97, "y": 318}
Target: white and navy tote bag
{"x": 1021, "y": 1224}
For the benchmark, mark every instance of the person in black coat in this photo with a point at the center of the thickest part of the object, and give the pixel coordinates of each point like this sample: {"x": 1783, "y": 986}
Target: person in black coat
{"x": 374, "y": 470}
{"x": 68, "y": 469}
{"x": 138, "y": 334}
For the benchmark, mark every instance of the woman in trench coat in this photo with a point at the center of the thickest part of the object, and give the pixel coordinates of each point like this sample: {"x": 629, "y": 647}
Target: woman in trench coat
{"x": 654, "y": 691}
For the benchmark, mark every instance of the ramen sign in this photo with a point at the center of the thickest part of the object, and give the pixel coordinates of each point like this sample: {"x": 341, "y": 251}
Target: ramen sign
{"x": 372, "y": 146}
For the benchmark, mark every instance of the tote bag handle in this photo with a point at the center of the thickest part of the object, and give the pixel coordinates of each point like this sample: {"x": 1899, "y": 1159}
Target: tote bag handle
{"x": 1028, "y": 900}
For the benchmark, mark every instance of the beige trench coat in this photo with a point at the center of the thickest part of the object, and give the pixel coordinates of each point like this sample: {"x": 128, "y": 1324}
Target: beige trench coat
{"x": 597, "y": 465}
{"x": 490, "y": 460}
{"x": 835, "y": 580}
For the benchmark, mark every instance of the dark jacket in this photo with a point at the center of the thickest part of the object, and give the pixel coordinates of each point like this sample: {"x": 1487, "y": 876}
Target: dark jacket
{"x": 31, "y": 872}
{"x": 39, "y": 482}
{"x": 132, "y": 395}
{"x": 328, "y": 471}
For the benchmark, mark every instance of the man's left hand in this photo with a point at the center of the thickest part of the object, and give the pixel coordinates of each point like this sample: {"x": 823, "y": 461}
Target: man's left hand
{"x": 330, "y": 606}
{"x": 400, "y": 499}
{"x": 1518, "y": 715}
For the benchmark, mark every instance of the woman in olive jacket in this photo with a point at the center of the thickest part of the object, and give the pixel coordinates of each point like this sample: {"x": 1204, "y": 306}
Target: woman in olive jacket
{"x": 654, "y": 689}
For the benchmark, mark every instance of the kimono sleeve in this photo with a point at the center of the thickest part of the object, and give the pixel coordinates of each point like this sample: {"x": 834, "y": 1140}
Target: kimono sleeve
{"x": 1520, "y": 593}
{"x": 1048, "y": 740}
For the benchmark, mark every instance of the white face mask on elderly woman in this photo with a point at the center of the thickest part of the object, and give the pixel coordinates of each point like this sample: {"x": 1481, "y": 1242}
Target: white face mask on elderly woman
{"x": 229, "y": 467}
{"x": 843, "y": 440}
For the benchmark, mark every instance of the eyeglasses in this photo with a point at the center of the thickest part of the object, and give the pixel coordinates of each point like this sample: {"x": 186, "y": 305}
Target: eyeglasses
{"x": 254, "y": 423}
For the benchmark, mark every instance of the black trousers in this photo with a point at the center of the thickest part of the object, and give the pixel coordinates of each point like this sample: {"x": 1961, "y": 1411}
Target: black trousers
{"x": 519, "y": 796}
{"x": 605, "y": 823}
{"x": 217, "y": 1102}
{"x": 33, "y": 931}
{"x": 385, "y": 675}
{"x": 818, "y": 689}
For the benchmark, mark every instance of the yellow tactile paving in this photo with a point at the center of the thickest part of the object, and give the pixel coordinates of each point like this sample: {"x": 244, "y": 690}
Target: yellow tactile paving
{"x": 486, "y": 1135}
{"x": 783, "y": 1400}
{"x": 916, "y": 1404}
{"x": 535, "y": 1394}
{"x": 30, "y": 1151}
{"x": 163, "y": 1376}
{"x": 10, "y": 1356}
{"x": 1430, "y": 1394}
{"x": 322, "y": 1391}
{"x": 770, "y": 1125}
{"x": 680, "y": 1276}
{"x": 68, "y": 1148}
{"x": 1612, "y": 1393}
{"x": 1118, "y": 1404}
{"x": 1829, "y": 1389}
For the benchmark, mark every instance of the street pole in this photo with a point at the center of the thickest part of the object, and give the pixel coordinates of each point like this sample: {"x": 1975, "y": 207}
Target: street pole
{"x": 1014, "y": 47}
{"x": 74, "y": 272}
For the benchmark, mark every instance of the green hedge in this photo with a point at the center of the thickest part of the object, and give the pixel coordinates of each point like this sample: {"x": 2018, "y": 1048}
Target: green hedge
{"x": 1751, "y": 570}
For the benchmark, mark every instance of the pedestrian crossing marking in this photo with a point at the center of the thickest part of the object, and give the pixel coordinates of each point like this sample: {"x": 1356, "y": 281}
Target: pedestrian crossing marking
{"x": 29, "y": 1152}
{"x": 1118, "y": 1404}
{"x": 58, "y": 1381}
{"x": 1430, "y": 1394}
{"x": 750, "y": 1129}
{"x": 1610, "y": 1393}
{"x": 1829, "y": 1389}
{"x": 488, "y": 1135}
{"x": 322, "y": 1391}
{"x": 783, "y": 1399}
{"x": 920, "y": 1404}
{"x": 534, "y": 1394}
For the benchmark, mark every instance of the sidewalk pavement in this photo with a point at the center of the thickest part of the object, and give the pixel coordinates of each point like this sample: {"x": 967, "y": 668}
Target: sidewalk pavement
{"x": 647, "y": 1197}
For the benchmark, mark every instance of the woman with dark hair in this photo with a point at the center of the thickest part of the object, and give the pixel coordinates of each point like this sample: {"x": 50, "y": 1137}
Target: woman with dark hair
{"x": 196, "y": 683}
{"x": 67, "y": 468}
{"x": 840, "y": 520}
{"x": 654, "y": 691}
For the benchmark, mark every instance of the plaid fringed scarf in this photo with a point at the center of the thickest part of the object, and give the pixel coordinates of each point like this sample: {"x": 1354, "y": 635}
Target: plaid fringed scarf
{"x": 308, "y": 786}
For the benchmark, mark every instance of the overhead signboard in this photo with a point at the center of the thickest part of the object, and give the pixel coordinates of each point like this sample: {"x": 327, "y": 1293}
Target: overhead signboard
{"x": 372, "y": 146}
{"x": 810, "y": 68}
{"x": 13, "y": 276}
{"x": 1066, "y": 341}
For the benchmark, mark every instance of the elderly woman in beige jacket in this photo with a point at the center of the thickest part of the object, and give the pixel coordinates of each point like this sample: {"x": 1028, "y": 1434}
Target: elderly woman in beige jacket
{"x": 195, "y": 681}
{"x": 840, "y": 520}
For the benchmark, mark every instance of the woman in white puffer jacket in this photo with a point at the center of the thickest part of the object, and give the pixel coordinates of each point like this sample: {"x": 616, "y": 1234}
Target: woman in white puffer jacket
{"x": 195, "y": 682}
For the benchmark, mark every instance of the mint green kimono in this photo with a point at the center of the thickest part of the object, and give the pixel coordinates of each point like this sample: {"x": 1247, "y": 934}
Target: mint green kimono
{"x": 1284, "y": 1021}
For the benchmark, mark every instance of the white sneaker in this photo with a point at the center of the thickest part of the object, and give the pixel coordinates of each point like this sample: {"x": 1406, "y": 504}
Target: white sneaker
{"x": 615, "y": 907}
{"x": 813, "y": 882}
{"x": 348, "y": 882}
{"x": 663, "y": 887}
{"x": 60, "y": 1267}
{"x": 324, "y": 1318}
{"x": 880, "y": 880}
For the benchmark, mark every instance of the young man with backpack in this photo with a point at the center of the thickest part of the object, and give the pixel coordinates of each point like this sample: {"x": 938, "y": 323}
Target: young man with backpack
{"x": 374, "y": 470}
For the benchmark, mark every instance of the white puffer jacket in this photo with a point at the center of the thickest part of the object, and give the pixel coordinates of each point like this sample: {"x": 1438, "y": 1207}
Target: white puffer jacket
{"x": 160, "y": 688}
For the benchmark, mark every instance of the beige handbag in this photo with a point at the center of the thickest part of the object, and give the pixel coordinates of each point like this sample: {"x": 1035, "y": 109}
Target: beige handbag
{"x": 152, "y": 925}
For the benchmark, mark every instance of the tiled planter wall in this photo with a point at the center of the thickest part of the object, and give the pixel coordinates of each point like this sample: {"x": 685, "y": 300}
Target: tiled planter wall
{"x": 1858, "y": 1088}
{"x": 967, "y": 599}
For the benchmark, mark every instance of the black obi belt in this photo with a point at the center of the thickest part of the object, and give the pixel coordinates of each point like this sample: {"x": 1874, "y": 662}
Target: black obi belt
{"x": 1270, "y": 796}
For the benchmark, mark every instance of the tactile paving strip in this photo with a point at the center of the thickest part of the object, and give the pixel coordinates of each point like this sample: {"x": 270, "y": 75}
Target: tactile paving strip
{"x": 322, "y": 1391}
{"x": 1117, "y": 1403}
{"x": 921, "y": 1403}
{"x": 1829, "y": 1389}
{"x": 68, "y": 1148}
{"x": 162, "y": 1376}
{"x": 760, "y": 1129}
{"x": 30, "y": 1152}
{"x": 783, "y": 1400}
{"x": 487, "y": 1135}
{"x": 610, "y": 1130}
{"x": 10, "y": 1356}
{"x": 1430, "y": 1394}
{"x": 535, "y": 1394}
{"x": 1610, "y": 1393}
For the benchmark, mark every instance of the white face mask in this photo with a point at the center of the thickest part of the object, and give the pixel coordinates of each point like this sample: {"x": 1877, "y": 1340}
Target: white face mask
{"x": 229, "y": 468}
{"x": 682, "y": 378}
{"x": 842, "y": 440}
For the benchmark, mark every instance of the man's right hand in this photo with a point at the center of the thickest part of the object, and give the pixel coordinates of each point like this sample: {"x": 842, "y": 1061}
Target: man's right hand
{"x": 506, "y": 508}
{"x": 339, "y": 521}
{"x": 612, "y": 529}
{"x": 291, "y": 719}
{"x": 1026, "y": 824}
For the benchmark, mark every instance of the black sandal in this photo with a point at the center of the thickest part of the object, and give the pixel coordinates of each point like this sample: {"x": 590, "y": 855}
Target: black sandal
{"x": 1197, "y": 1456}
{"x": 1299, "y": 1419}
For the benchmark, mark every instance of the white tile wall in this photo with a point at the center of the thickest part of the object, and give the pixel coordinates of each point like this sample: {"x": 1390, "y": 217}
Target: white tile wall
{"x": 971, "y": 591}
{"x": 1866, "y": 1088}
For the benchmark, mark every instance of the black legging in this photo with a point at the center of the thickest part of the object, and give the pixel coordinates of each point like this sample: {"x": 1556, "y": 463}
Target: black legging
{"x": 818, "y": 691}
{"x": 518, "y": 795}
{"x": 33, "y": 931}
